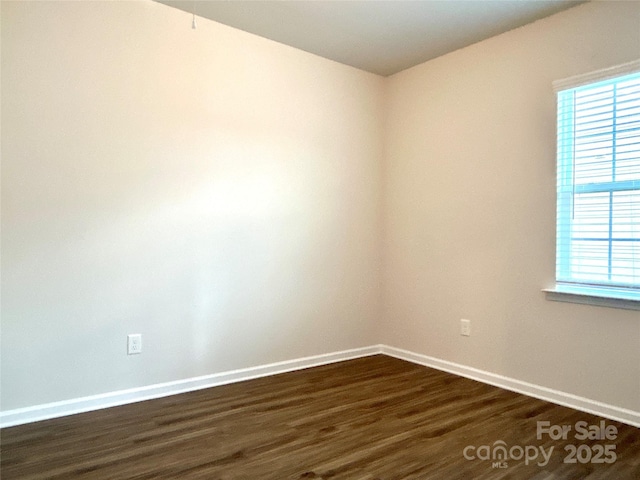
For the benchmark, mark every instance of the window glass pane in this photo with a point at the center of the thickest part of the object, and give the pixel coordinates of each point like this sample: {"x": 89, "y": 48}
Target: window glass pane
{"x": 594, "y": 168}
{"x": 591, "y": 216}
{"x": 599, "y": 183}
{"x": 625, "y": 262}
{"x": 589, "y": 261}
{"x": 626, "y": 215}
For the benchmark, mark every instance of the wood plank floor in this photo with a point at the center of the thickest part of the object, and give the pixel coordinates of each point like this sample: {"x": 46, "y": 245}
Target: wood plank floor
{"x": 365, "y": 419}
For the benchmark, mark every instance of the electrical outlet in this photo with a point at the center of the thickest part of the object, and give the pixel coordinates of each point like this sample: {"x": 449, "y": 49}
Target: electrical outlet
{"x": 134, "y": 343}
{"x": 465, "y": 327}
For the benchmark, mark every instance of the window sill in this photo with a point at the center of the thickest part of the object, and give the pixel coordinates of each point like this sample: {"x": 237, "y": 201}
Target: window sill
{"x": 601, "y": 297}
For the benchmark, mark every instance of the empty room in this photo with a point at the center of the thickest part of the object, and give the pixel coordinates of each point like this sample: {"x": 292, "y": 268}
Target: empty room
{"x": 347, "y": 240}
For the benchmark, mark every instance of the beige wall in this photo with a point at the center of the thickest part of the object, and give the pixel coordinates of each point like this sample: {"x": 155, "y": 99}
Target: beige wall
{"x": 212, "y": 190}
{"x": 470, "y": 202}
{"x": 223, "y": 195}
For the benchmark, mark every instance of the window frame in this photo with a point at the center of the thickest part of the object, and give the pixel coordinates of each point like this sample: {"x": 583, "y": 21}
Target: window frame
{"x": 567, "y": 288}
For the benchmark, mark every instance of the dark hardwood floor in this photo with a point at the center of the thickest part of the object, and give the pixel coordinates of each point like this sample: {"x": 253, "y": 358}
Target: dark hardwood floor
{"x": 365, "y": 419}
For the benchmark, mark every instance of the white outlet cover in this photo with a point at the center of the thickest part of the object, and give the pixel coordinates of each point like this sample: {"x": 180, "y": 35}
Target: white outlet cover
{"x": 465, "y": 327}
{"x": 134, "y": 344}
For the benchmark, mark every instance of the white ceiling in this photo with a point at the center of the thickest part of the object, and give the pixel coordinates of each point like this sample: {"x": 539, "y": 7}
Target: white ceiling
{"x": 382, "y": 37}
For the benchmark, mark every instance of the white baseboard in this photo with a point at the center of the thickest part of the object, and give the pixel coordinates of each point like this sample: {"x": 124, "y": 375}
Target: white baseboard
{"x": 96, "y": 402}
{"x": 36, "y": 413}
{"x": 576, "y": 402}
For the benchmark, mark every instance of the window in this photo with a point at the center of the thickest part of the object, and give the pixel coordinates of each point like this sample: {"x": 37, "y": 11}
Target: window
{"x": 598, "y": 203}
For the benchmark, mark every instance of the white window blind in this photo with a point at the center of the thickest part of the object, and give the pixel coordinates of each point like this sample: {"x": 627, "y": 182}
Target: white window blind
{"x": 598, "y": 205}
